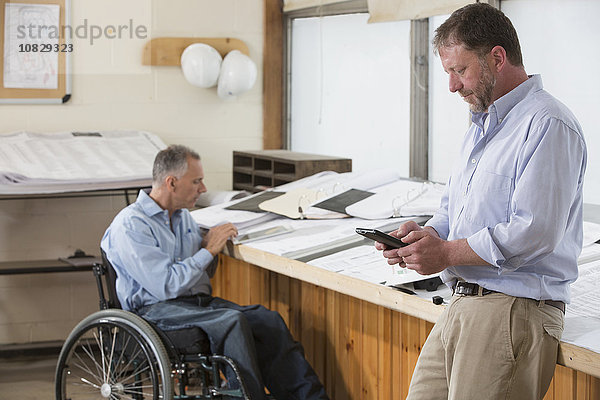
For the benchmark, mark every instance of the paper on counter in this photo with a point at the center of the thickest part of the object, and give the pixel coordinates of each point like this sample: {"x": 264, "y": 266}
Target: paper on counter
{"x": 295, "y": 204}
{"x": 585, "y": 295}
{"x": 309, "y": 235}
{"x": 209, "y": 217}
{"x": 403, "y": 197}
{"x": 589, "y": 253}
{"x": 582, "y": 318}
{"x": 214, "y": 197}
{"x": 582, "y": 332}
{"x": 310, "y": 182}
{"x": 591, "y": 233}
{"x": 368, "y": 264}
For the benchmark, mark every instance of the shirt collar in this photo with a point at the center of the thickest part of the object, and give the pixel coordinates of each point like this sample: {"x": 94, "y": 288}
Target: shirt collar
{"x": 147, "y": 204}
{"x": 501, "y": 107}
{"x": 150, "y": 207}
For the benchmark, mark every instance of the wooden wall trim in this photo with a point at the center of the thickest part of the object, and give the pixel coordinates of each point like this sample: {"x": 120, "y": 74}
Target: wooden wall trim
{"x": 273, "y": 74}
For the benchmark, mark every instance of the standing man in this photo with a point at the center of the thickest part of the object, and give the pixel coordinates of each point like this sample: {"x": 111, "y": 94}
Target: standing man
{"x": 509, "y": 229}
{"x": 164, "y": 266}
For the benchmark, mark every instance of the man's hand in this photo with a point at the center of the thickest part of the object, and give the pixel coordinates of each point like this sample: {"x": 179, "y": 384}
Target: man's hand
{"x": 426, "y": 252}
{"x": 216, "y": 237}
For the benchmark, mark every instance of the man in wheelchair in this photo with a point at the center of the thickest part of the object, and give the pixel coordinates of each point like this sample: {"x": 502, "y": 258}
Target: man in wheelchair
{"x": 164, "y": 265}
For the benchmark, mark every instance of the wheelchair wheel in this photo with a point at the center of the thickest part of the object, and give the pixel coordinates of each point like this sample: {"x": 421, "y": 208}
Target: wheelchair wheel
{"x": 113, "y": 354}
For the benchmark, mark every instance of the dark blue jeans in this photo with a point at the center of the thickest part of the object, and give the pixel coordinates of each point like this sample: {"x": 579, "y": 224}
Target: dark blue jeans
{"x": 256, "y": 338}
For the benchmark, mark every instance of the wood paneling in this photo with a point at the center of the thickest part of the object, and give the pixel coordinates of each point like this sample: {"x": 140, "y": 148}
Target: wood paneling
{"x": 360, "y": 350}
{"x": 273, "y": 75}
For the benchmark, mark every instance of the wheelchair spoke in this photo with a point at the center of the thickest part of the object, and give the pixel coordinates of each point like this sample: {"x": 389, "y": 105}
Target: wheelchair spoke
{"x": 122, "y": 358}
{"x": 129, "y": 365}
{"x": 89, "y": 383}
{"x": 113, "y": 359}
{"x": 87, "y": 348}
{"x": 134, "y": 373}
{"x": 112, "y": 351}
{"x": 101, "y": 344}
{"x": 116, "y": 376}
{"x": 82, "y": 364}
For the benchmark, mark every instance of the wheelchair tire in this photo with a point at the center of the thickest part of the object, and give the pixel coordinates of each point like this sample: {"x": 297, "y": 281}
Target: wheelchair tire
{"x": 113, "y": 354}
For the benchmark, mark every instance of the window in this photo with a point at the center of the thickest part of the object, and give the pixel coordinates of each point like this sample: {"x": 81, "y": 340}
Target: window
{"x": 350, "y": 90}
{"x": 449, "y": 115}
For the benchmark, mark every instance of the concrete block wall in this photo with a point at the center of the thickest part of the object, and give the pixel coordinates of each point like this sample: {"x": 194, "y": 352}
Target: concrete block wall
{"x": 112, "y": 90}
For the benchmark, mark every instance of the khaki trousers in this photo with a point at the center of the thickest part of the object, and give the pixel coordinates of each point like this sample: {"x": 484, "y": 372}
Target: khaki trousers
{"x": 487, "y": 348}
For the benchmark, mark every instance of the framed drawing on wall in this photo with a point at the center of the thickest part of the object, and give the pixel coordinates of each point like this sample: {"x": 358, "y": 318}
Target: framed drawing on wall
{"x": 36, "y": 51}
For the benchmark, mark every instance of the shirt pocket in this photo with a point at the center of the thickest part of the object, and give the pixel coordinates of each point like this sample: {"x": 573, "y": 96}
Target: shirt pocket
{"x": 488, "y": 201}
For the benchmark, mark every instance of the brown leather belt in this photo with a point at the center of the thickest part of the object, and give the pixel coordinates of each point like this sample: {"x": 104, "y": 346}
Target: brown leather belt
{"x": 473, "y": 289}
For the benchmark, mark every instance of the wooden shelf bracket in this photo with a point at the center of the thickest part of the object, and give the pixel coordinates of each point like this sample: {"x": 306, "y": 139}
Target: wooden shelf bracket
{"x": 168, "y": 50}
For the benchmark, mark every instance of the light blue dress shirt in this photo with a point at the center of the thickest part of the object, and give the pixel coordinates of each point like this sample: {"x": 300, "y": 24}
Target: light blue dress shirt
{"x": 155, "y": 258}
{"x": 515, "y": 194}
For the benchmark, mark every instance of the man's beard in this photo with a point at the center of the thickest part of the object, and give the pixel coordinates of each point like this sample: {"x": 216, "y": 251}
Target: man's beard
{"x": 483, "y": 92}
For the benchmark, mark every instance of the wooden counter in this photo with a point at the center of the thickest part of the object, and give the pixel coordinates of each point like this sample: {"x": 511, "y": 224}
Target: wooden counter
{"x": 363, "y": 339}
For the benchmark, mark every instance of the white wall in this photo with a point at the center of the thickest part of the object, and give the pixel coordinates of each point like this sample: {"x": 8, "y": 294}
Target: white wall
{"x": 112, "y": 90}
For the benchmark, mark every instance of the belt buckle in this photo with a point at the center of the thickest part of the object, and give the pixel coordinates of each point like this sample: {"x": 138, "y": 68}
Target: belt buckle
{"x": 465, "y": 289}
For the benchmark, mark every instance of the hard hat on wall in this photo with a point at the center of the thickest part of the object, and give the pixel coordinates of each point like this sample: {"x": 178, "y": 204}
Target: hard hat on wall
{"x": 238, "y": 74}
{"x": 201, "y": 65}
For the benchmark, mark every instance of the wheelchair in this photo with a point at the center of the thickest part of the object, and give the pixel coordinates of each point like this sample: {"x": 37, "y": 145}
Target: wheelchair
{"x": 116, "y": 354}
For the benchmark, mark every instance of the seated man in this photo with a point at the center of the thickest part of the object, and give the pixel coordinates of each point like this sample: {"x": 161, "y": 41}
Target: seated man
{"x": 164, "y": 264}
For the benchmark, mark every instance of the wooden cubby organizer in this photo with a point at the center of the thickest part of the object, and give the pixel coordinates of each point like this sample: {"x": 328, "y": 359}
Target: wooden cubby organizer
{"x": 258, "y": 170}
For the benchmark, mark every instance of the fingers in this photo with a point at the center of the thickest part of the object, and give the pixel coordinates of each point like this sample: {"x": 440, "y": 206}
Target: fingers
{"x": 390, "y": 253}
{"x": 226, "y": 229}
{"x": 407, "y": 227}
{"x": 217, "y": 237}
{"x": 396, "y": 260}
{"x": 415, "y": 236}
{"x": 380, "y": 246}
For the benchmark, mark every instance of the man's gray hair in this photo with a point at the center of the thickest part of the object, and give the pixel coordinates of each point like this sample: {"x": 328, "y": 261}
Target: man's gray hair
{"x": 171, "y": 161}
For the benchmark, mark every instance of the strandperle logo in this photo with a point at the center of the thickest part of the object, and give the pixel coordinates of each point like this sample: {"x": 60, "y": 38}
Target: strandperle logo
{"x": 84, "y": 31}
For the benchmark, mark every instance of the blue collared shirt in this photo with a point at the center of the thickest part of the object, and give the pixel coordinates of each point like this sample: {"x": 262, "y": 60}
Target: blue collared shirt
{"x": 515, "y": 194}
{"x": 156, "y": 258}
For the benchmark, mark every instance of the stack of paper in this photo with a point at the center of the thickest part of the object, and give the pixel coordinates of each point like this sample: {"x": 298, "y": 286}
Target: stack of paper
{"x": 400, "y": 198}
{"x": 76, "y": 161}
{"x": 220, "y": 214}
{"x": 302, "y": 198}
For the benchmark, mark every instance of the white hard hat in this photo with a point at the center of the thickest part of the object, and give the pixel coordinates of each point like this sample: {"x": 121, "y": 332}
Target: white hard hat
{"x": 238, "y": 74}
{"x": 201, "y": 64}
